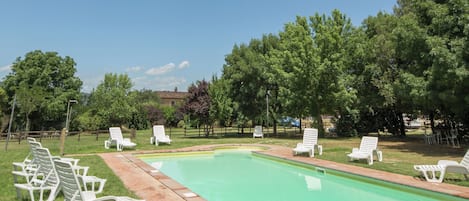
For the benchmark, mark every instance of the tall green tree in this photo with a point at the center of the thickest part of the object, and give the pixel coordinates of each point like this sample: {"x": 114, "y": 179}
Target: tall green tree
{"x": 336, "y": 95}
{"x": 251, "y": 79}
{"x": 4, "y": 111}
{"x": 296, "y": 60}
{"x": 51, "y": 74}
{"x": 378, "y": 77}
{"x": 113, "y": 102}
{"x": 221, "y": 106}
{"x": 433, "y": 39}
{"x": 312, "y": 57}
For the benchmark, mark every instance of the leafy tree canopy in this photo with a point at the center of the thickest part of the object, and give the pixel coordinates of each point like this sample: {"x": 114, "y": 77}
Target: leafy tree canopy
{"x": 51, "y": 78}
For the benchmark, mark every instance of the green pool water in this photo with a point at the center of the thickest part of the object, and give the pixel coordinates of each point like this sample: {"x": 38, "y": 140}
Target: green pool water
{"x": 230, "y": 175}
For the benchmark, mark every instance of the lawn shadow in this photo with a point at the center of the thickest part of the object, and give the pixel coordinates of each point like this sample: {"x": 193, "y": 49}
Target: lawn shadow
{"x": 416, "y": 144}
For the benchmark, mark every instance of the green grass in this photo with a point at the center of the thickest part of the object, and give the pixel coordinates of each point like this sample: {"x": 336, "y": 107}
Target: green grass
{"x": 399, "y": 154}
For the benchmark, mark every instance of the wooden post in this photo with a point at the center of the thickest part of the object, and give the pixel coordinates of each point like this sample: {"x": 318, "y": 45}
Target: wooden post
{"x": 62, "y": 141}
{"x": 133, "y": 133}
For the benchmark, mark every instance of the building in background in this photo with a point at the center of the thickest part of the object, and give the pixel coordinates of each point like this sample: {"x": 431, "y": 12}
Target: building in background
{"x": 172, "y": 98}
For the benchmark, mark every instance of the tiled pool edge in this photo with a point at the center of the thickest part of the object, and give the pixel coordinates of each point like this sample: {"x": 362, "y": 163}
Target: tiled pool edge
{"x": 171, "y": 184}
{"x": 282, "y": 153}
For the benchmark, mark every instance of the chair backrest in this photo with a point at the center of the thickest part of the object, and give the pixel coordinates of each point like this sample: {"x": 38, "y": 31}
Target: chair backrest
{"x": 31, "y": 139}
{"x": 465, "y": 160}
{"x": 68, "y": 181}
{"x": 310, "y": 137}
{"x": 258, "y": 129}
{"x": 368, "y": 144}
{"x": 115, "y": 133}
{"x": 33, "y": 145}
{"x": 46, "y": 167}
{"x": 158, "y": 131}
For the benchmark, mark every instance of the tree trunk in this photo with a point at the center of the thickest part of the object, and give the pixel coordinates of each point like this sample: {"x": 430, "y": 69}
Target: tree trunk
{"x": 401, "y": 124}
{"x": 4, "y": 121}
{"x": 28, "y": 120}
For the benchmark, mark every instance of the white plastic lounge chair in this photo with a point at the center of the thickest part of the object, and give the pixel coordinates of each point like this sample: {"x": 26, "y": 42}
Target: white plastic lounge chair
{"x": 159, "y": 135}
{"x": 443, "y": 167}
{"x": 29, "y": 170}
{"x": 70, "y": 186}
{"x": 29, "y": 161}
{"x": 116, "y": 138}
{"x": 258, "y": 132}
{"x": 44, "y": 180}
{"x": 310, "y": 143}
{"x": 368, "y": 147}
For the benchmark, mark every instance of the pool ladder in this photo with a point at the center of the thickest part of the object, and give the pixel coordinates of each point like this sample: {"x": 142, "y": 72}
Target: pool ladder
{"x": 321, "y": 170}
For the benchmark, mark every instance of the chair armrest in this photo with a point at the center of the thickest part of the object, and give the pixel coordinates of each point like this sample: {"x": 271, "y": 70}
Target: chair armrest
{"x": 299, "y": 145}
{"x": 355, "y": 150}
{"x": 127, "y": 140}
{"x": 447, "y": 162}
{"x": 73, "y": 161}
{"x": 80, "y": 170}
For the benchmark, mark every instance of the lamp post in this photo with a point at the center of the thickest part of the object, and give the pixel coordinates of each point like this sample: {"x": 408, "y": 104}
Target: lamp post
{"x": 69, "y": 110}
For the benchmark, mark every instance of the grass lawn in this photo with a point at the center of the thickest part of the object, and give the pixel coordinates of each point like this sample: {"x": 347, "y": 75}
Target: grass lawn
{"x": 400, "y": 154}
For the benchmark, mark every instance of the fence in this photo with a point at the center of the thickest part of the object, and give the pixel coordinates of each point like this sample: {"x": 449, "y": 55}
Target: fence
{"x": 186, "y": 132}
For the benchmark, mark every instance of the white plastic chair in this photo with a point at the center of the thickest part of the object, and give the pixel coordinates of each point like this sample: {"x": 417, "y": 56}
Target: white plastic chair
{"x": 70, "y": 186}
{"x": 258, "y": 132}
{"x": 436, "y": 173}
{"x": 368, "y": 147}
{"x": 116, "y": 138}
{"x": 159, "y": 135}
{"x": 29, "y": 161}
{"x": 44, "y": 179}
{"x": 310, "y": 143}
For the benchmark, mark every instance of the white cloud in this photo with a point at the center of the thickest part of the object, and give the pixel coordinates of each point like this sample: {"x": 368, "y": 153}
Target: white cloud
{"x": 90, "y": 82}
{"x": 134, "y": 69}
{"x": 160, "y": 83}
{"x": 161, "y": 70}
{"x": 184, "y": 64}
{"x": 5, "y": 68}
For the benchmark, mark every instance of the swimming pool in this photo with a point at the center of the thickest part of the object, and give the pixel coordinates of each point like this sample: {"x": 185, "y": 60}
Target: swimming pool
{"x": 226, "y": 175}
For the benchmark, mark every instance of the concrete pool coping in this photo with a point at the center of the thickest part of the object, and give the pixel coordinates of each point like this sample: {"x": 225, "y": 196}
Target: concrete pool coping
{"x": 148, "y": 184}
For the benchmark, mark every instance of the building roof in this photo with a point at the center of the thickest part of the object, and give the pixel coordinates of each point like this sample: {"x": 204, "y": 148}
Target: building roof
{"x": 172, "y": 94}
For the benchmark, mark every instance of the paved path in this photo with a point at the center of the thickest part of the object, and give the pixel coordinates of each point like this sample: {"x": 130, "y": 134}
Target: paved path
{"x": 151, "y": 185}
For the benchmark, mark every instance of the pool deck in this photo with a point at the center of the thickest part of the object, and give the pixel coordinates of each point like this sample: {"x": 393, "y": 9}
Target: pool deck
{"x": 149, "y": 184}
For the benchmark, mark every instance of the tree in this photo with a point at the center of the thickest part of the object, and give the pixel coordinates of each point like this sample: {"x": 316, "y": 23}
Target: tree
{"x": 251, "y": 79}
{"x": 4, "y": 109}
{"x": 53, "y": 79}
{"x": 148, "y": 112}
{"x": 221, "y": 106}
{"x": 432, "y": 55}
{"x": 335, "y": 93}
{"x": 197, "y": 104}
{"x": 113, "y": 101}
{"x": 312, "y": 58}
{"x": 296, "y": 58}
{"x": 29, "y": 99}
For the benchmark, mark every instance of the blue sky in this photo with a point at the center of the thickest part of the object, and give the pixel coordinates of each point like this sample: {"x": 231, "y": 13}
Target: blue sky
{"x": 160, "y": 44}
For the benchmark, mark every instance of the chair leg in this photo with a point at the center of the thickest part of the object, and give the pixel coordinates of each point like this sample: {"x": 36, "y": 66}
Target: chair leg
{"x": 370, "y": 160}
{"x": 311, "y": 153}
{"x": 320, "y": 149}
